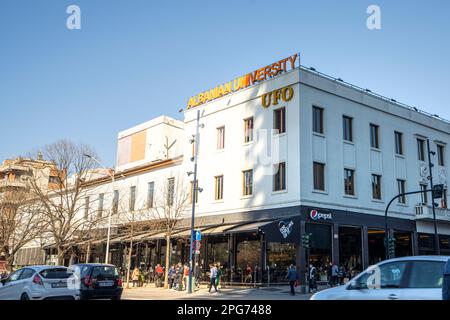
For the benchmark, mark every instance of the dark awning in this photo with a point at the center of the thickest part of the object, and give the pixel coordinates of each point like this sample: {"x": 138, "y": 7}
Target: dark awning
{"x": 286, "y": 230}
{"x": 249, "y": 227}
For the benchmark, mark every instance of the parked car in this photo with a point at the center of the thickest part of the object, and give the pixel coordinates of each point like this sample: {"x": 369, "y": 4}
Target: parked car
{"x": 407, "y": 278}
{"x": 38, "y": 283}
{"x": 98, "y": 281}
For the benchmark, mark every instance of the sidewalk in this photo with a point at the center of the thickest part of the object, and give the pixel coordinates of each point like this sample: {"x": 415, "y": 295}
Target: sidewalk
{"x": 235, "y": 293}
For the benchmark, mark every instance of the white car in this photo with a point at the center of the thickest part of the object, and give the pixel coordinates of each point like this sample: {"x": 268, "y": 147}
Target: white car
{"x": 407, "y": 278}
{"x": 39, "y": 283}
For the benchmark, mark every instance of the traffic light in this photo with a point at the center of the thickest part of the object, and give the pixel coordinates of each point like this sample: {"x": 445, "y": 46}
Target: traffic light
{"x": 391, "y": 247}
{"x": 306, "y": 241}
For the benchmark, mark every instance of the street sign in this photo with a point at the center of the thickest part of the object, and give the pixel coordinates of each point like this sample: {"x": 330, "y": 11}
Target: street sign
{"x": 197, "y": 235}
{"x": 196, "y": 246}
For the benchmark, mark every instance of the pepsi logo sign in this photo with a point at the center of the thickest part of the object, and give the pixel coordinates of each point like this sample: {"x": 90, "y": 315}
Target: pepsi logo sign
{"x": 316, "y": 215}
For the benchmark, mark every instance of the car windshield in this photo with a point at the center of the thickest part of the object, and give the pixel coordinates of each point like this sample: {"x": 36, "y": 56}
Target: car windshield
{"x": 104, "y": 271}
{"x": 56, "y": 273}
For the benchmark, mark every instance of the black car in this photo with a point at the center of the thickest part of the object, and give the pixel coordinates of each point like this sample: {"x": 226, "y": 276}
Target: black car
{"x": 99, "y": 281}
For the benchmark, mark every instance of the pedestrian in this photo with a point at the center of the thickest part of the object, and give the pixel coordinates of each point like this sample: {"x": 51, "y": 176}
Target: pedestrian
{"x": 180, "y": 273}
{"x": 312, "y": 278}
{"x": 197, "y": 274}
{"x": 159, "y": 275}
{"x": 292, "y": 277}
{"x": 219, "y": 276}
{"x": 171, "y": 276}
{"x": 446, "y": 282}
{"x": 185, "y": 276}
{"x": 248, "y": 274}
{"x": 151, "y": 274}
{"x": 212, "y": 277}
{"x": 334, "y": 275}
{"x": 135, "y": 276}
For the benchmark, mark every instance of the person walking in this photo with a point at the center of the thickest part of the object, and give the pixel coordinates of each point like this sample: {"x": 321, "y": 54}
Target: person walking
{"x": 446, "y": 282}
{"x": 334, "y": 275}
{"x": 197, "y": 275}
{"x": 186, "y": 276}
{"x": 135, "y": 276}
{"x": 212, "y": 277}
{"x": 180, "y": 272}
{"x": 159, "y": 275}
{"x": 171, "y": 275}
{"x": 292, "y": 277}
{"x": 312, "y": 278}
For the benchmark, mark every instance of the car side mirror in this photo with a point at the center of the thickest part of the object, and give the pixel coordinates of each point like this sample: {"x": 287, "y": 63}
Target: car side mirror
{"x": 3, "y": 282}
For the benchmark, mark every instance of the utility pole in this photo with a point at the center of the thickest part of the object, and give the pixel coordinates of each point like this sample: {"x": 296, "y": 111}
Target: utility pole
{"x": 194, "y": 198}
{"x": 430, "y": 168}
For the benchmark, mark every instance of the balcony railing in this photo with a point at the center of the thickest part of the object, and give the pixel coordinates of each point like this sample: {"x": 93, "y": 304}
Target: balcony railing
{"x": 13, "y": 184}
{"x": 425, "y": 212}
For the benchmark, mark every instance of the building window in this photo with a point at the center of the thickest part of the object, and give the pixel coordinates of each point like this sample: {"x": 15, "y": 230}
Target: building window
{"x": 376, "y": 186}
{"x": 150, "y": 194}
{"x": 440, "y": 154}
{"x": 444, "y": 200}
{"x": 218, "y": 190}
{"x": 247, "y": 182}
{"x": 101, "y": 198}
{"x": 115, "y": 203}
{"x": 86, "y": 207}
{"x": 421, "y": 149}
{"x": 132, "y": 201}
{"x": 279, "y": 176}
{"x": 398, "y": 142}
{"x": 248, "y": 129}
{"x": 317, "y": 120}
{"x": 192, "y": 192}
{"x": 220, "y": 138}
{"x": 349, "y": 182}
{"x": 401, "y": 189}
{"x": 170, "y": 191}
{"x": 347, "y": 123}
{"x": 319, "y": 176}
{"x": 424, "y": 194}
{"x": 54, "y": 180}
{"x": 279, "y": 121}
{"x": 374, "y": 136}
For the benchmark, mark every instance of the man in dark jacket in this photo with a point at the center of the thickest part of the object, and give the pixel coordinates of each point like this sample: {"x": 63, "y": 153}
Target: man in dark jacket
{"x": 446, "y": 283}
{"x": 292, "y": 277}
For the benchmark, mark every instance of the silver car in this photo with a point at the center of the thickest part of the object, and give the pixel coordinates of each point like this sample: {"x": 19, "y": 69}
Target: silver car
{"x": 407, "y": 278}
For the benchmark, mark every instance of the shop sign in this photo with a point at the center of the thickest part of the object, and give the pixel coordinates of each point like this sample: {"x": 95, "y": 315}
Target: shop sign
{"x": 272, "y": 98}
{"x": 316, "y": 215}
{"x": 285, "y": 228}
{"x": 245, "y": 81}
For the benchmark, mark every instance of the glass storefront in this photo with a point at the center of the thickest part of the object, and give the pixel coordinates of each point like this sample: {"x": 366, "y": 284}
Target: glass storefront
{"x": 350, "y": 250}
{"x": 321, "y": 251}
{"x": 426, "y": 243}
{"x": 403, "y": 244}
{"x": 218, "y": 250}
{"x": 248, "y": 255}
{"x": 279, "y": 257}
{"x": 377, "y": 250}
{"x": 444, "y": 242}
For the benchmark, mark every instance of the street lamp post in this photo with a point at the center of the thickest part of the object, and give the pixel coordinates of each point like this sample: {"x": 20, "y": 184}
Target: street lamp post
{"x": 110, "y": 211}
{"x": 430, "y": 168}
{"x": 194, "y": 198}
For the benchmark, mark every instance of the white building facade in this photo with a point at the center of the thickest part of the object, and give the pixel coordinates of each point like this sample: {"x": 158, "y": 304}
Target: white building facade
{"x": 296, "y": 153}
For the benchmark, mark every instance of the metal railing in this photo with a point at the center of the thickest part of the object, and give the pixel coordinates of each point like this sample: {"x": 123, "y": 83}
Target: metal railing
{"x": 425, "y": 212}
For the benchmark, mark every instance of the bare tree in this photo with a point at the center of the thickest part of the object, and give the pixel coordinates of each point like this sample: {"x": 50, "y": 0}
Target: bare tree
{"x": 62, "y": 205}
{"x": 20, "y": 223}
{"x": 171, "y": 203}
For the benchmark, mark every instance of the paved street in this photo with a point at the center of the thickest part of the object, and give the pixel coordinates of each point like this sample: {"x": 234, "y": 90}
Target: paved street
{"x": 236, "y": 293}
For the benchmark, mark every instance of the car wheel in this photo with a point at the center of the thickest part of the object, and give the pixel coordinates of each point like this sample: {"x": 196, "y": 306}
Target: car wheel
{"x": 24, "y": 296}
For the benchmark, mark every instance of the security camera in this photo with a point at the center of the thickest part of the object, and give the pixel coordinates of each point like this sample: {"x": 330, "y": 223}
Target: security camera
{"x": 202, "y": 125}
{"x": 433, "y": 153}
{"x": 200, "y": 189}
{"x": 189, "y": 173}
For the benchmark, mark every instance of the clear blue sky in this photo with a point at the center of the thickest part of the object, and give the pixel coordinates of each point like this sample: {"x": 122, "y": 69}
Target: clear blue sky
{"x": 134, "y": 60}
